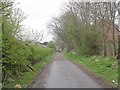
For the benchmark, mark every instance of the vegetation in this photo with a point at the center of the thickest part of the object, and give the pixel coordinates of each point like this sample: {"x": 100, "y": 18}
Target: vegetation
{"x": 103, "y": 66}
{"x": 52, "y": 45}
{"x": 87, "y": 28}
{"x": 28, "y": 77}
{"x": 20, "y": 57}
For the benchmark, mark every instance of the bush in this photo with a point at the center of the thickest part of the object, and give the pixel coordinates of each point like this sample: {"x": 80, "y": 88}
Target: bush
{"x": 38, "y": 53}
{"x": 90, "y": 43}
{"x": 19, "y": 55}
{"x": 52, "y": 45}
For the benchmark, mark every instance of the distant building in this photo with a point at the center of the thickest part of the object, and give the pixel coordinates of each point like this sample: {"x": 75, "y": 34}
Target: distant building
{"x": 111, "y": 35}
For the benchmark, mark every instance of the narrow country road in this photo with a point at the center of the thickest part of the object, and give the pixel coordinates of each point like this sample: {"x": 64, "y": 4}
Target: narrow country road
{"x": 61, "y": 73}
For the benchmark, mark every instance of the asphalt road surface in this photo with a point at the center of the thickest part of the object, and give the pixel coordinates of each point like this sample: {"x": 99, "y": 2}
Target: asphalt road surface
{"x": 61, "y": 73}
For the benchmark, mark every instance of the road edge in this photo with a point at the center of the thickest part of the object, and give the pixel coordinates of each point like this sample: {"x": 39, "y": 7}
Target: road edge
{"x": 100, "y": 80}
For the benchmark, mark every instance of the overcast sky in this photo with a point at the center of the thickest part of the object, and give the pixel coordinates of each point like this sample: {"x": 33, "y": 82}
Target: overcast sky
{"x": 39, "y": 13}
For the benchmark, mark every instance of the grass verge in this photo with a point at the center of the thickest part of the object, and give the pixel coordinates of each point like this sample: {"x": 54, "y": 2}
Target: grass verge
{"x": 105, "y": 67}
{"x": 29, "y": 77}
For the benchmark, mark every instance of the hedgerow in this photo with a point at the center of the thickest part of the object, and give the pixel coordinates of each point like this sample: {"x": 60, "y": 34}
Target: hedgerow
{"x": 18, "y": 56}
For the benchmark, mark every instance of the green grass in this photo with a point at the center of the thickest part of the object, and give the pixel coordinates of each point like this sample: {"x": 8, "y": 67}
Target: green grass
{"x": 102, "y": 66}
{"x": 28, "y": 77}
